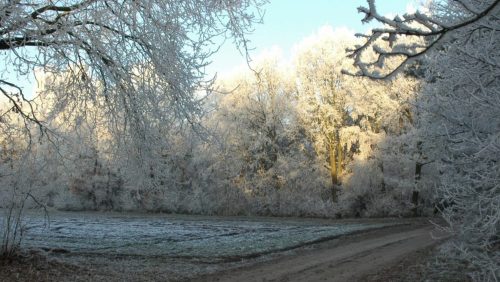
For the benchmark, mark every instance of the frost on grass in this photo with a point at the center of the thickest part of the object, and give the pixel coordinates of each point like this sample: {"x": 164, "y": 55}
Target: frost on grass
{"x": 183, "y": 237}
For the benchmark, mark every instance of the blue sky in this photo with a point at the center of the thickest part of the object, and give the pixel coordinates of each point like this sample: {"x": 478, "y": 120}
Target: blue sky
{"x": 287, "y": 22}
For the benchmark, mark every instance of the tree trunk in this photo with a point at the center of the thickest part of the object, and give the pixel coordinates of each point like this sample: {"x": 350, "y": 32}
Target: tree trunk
{"x": 340, "y": 157}
{"x": 382, "y": 184}
{"x": 333, "y": 171}
{"x": 336, "y": 161}
{"x": 415, "y": 195}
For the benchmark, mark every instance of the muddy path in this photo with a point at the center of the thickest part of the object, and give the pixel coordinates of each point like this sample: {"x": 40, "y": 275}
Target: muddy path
{"x": 350, "y": 258}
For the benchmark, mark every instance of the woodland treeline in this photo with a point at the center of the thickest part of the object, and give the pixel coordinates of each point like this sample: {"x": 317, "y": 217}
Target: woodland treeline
{"x": 289, "y": 138}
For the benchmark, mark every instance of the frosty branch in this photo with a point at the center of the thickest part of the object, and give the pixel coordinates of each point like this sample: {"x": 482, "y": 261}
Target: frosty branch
{"x": 419, "y": 25}
{"x": 108, "y": 45}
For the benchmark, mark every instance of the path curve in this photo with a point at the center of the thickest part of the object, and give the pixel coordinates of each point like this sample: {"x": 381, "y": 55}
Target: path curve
{"x": 347, "y": 260}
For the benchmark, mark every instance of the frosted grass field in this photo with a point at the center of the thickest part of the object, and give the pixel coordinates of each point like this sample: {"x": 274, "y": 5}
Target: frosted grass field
{"x": 178, "y": 244}
{"x": 178, "y": 236}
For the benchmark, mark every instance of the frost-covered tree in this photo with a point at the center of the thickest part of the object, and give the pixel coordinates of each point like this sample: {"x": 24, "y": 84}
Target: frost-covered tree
{"x": 355, "y": 124}
{"x": 459, "y": 57}
{"x": 323, "y": 96}
{"x": 254, "y": 114}
{"x": 20, "y": 170}
{"x": 270, "y": 158}
{"x": 116, "y": 78}
{"x": 107, "y": 47}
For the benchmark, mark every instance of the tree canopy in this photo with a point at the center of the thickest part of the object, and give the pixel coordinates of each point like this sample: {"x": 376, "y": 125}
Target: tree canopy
{"x": 112, "y": 49}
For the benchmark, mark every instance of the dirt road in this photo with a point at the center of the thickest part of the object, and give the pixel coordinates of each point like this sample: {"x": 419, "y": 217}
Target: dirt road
{"x": 348, "y": 259}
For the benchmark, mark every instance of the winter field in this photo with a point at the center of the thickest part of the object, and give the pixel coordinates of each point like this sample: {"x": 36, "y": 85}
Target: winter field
{"x": 190, "y": 244}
